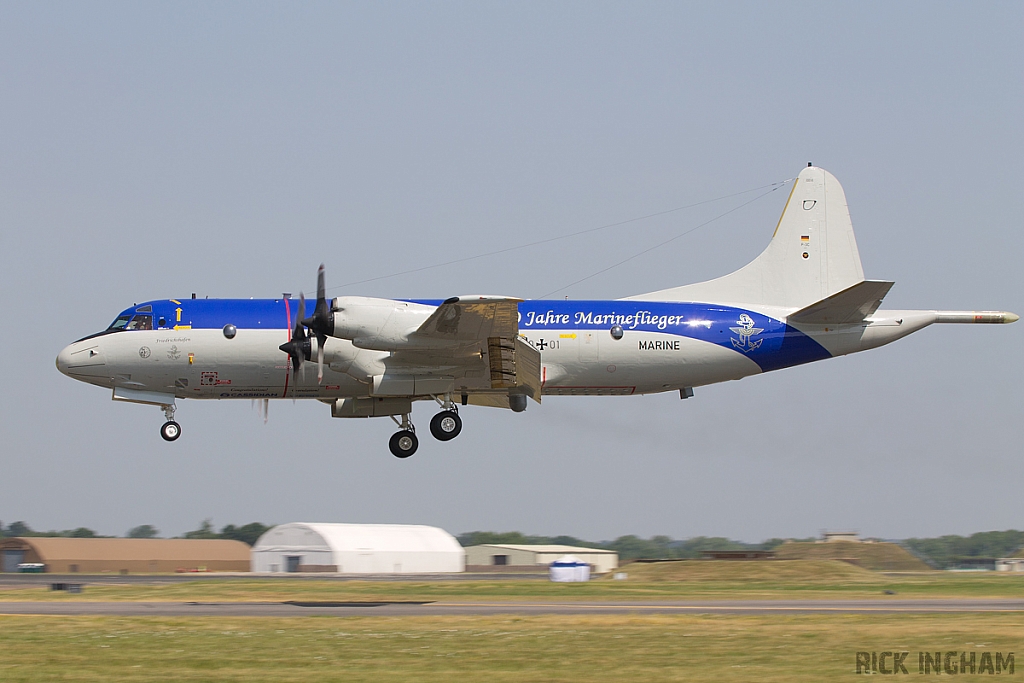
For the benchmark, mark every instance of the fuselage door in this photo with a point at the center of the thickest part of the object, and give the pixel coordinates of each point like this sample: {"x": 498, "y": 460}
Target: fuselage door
{"x": 588, "y": 345}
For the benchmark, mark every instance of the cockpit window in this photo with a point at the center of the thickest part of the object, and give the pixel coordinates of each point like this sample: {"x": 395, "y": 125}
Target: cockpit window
{"x": 119, "y": 324}
{"x": 141, "y": 322}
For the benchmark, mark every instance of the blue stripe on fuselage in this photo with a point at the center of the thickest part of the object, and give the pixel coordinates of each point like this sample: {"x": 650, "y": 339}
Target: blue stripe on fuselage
{"x": 264, "y": 314}
{"x": 769, "y": 342}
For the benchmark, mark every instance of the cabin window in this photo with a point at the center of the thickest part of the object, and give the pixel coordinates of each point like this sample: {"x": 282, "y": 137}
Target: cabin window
{"x": 141, "y": 322}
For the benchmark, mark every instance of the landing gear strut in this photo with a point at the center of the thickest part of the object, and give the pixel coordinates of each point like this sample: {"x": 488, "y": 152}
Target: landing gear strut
{"x": 403, "y": 443}
{"x": 170, "y": 430}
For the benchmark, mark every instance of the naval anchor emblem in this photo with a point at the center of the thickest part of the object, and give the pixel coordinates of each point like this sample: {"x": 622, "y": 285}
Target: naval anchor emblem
{"x": 173, "y": 353}
{"x": 746, "y": 330}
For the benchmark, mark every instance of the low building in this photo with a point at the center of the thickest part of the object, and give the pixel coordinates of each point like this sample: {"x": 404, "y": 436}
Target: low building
{"x": 840, "y": 536}
{"x": 987, "y": 564}
{"x": 1010, "y": 564}
{"x": 357, "y": 549}
{"x": 510, "y": 555}
{"x": 124, "y": 555}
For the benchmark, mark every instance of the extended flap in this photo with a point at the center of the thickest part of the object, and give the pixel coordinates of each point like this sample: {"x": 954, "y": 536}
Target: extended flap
{"x": 514, "y": 365}
{"x": 528, "y": 369}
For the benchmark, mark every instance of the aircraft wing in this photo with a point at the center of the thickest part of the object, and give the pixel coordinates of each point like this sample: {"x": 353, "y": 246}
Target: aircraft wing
{"x": 476, "y": 338}
{"x": 470, "y": 319}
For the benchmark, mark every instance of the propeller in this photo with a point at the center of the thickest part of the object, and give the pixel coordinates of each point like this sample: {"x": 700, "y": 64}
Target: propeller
{"x": 321, "y": 323}
{"x": 298, "y": 347}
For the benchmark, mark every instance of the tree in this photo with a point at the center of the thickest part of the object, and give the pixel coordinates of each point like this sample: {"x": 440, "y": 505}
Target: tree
{"x": 143, "y": 531}
{"x": 633, "y": 547}
{"x": 248, "y": 533}
{"x": 81, "y": 532}
{"x": 569, "y": 540}
{"x": 491, "y": 537}
{"x": 946, "y": 551}
{"x": 205, "y": 530}
{"x": 19, "y": 529}
{"x": 771, "y": 543}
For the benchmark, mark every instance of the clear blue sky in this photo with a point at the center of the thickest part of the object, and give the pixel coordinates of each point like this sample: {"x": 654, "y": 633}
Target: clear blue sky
{"x": 151, "y": 150}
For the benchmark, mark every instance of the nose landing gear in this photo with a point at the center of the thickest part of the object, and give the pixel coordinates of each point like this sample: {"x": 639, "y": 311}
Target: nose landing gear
{"x": 170, "y": 430}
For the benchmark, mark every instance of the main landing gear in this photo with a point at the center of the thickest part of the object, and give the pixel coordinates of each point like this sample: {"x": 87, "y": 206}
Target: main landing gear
{"x": 447, "y": 424}
{"x": 403, "y": 443}
{"x": 444, "y": 426}
{"x": 170, "y": 430}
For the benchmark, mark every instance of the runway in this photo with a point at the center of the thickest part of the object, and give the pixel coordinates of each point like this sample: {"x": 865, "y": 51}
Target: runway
{"x": 396, "y": 609}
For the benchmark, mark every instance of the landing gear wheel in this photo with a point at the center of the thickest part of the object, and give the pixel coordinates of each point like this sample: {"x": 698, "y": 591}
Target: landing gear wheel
{"x": 170, "y": 430}
{"x": 446, "y": 425}
{"x": 403, "y": 443}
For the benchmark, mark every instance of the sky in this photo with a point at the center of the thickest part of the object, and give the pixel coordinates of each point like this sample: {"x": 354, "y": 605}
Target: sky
{"x": 152, "y": 150}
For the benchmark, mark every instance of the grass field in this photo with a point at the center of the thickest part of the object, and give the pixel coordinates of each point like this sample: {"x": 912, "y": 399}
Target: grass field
{"x": 492, "y": 649}
{"x": 797, "y": 579}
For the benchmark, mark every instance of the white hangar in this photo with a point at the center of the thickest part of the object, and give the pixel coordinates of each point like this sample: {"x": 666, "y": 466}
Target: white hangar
{"x": 357, "y": 549}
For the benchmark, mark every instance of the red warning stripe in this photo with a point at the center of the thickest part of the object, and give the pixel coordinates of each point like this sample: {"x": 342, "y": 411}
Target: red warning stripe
{"x": 288, "y": 324}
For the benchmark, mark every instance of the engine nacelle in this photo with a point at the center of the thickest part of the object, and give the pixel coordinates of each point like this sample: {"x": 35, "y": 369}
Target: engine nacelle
{"x": 341, "y": 355}
{"x": 378, "y": 324}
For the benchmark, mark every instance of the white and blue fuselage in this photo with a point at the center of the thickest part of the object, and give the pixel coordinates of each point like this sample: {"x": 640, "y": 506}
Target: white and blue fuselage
{"x": 587, "y": 347}
{"x": 803, "y": 299}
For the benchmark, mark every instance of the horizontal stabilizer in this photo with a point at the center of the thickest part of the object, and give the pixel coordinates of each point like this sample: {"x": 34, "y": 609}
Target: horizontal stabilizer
{"x": 852, "y": 305}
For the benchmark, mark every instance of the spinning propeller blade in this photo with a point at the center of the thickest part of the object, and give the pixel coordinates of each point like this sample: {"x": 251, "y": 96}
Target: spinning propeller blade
{"x": 321, "y": 324}
{"x": 298, "y": 346}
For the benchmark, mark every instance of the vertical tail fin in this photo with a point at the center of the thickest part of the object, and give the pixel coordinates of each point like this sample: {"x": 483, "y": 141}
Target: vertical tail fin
{"x": 813, "y": 254}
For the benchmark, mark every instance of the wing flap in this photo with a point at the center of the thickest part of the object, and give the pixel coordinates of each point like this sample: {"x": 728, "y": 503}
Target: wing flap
{"x": 475, "y": 339}
{"x": 514, "y": 364}
{"x": 461, "y": 320}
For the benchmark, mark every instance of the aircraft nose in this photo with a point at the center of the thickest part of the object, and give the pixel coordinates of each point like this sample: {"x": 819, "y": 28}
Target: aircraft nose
{"x": 82, "y": 359}
{"x": 64, "y": 359}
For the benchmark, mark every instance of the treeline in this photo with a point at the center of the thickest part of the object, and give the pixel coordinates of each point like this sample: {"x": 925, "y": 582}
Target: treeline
{"x": 944, "y": 552}
{"x": 22, "y": 530}
{"x": 949, "y": 551}
{"x": 247, "y": 533}
{"x": 628, "y": 547}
